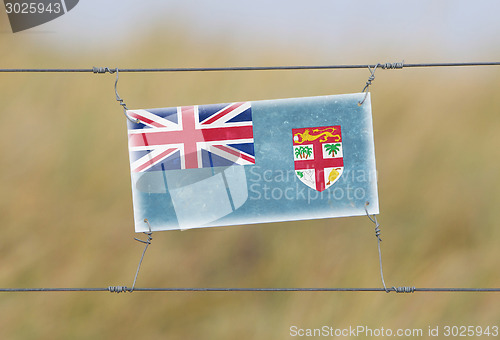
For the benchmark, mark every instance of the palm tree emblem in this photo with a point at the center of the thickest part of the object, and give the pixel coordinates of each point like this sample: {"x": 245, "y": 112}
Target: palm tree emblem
{"x": 332, "y": 148}
{"x": 303, "y": 152}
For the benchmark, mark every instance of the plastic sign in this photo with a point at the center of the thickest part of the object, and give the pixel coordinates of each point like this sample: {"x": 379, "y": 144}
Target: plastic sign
{"x": 252, "y": 162}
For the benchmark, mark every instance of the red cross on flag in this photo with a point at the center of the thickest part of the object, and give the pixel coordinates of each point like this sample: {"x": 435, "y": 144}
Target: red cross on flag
{"x": 317, "y": 153}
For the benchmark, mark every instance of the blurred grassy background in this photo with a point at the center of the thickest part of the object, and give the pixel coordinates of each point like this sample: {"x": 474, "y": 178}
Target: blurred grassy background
{"x": 66, "y": 210}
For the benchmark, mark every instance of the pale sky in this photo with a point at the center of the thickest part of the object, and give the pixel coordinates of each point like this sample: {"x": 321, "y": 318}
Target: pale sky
{"x": 422, "y": 30}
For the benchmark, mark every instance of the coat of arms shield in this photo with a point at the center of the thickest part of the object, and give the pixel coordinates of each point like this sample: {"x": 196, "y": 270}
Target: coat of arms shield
{"x": 318, "y": 156}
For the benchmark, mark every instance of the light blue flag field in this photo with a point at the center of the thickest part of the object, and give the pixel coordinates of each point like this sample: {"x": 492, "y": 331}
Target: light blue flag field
{"x": 252, "y": 162}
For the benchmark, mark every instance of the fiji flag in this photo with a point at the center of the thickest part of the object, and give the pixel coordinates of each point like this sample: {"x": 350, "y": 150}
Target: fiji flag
{"x": 252, "y": 162}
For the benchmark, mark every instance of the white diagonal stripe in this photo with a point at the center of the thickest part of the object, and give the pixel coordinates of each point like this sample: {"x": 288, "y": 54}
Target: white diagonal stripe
{"x": 228, "y": 156}
{"x": 155, "y": 118}
{"x": 222, "y": 121}
{"x": 147, "y": 158}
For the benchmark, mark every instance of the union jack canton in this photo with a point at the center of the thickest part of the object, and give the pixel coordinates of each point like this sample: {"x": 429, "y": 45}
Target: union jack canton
{"x": 191, "y": 137}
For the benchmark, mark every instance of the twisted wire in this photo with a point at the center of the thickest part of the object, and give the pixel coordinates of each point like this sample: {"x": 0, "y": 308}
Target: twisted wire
{"x": 147, "y": 242}
{"x": 104, "y": 70}
{"x": 392, "y": 66}
{"x": 404, "y": 289}
{"x": 118, "y": 289}
{"x": 368, "y": 83}
{"x": 379, "y": 239}
{"x": 118, "y": 98}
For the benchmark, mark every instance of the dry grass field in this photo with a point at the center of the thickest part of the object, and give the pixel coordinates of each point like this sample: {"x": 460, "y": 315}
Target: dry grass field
{"x": 66, "y": 208}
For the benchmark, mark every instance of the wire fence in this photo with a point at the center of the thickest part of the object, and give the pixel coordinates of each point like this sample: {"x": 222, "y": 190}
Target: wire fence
{"x": 123, "y": 289}
{"x": 397, "y": 65}
{"x": 371, "y": 67}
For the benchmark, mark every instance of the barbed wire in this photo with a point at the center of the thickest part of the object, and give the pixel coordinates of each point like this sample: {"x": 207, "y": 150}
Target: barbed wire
{"x": 397, "y": 65}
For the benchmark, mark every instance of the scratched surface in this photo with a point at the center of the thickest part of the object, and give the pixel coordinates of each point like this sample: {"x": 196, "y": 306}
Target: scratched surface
{"x": 270, "y": 190}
